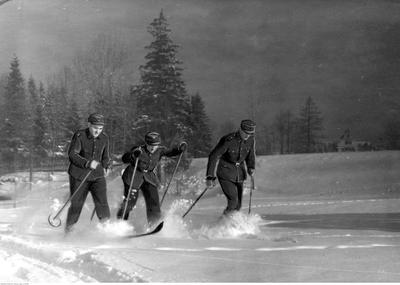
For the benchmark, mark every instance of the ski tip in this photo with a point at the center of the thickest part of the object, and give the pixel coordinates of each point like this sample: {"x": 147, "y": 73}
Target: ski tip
{"x": 154, "y": 231}
{"x": 160, "y": 226}
{"x": 157, "y": 229}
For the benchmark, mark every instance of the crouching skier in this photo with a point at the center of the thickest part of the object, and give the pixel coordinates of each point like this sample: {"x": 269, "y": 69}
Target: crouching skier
{"x": 146, "y": 157}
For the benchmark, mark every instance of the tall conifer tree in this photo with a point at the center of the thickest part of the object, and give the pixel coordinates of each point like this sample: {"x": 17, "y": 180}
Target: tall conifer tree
{"x": 162, "y": 98}
{"x": 73, "y": 122}
{"x": 13, "y": 127}
{"x": 41, "y": 122}
{"x": 200, "y": 143}
{"x": 309, "y": 126}
{"x": 33, "y": 103}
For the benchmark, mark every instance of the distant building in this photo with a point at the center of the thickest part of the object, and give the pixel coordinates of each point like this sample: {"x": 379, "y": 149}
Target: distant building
{"x": 347, "y": 144}
{"x": 354, "y": 146}
{"x": 326, "y": 146}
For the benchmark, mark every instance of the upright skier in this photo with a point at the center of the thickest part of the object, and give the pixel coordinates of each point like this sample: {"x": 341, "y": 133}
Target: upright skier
{"x": 233, "y": 151}
{"x": 145, "y": 179}
{"x": 88, "y": 152}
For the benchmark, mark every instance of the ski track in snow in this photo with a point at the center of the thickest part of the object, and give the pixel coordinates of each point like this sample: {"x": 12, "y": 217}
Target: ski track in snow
{"x": 304, "y": 247}
{"x": 38, "y": 261}
{"x": 33, "y": 252}
{"x": 303, "y": 203}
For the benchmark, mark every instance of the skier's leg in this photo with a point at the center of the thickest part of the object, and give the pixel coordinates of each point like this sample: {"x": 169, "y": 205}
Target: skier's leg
{"x": 122, "y": 206}
{"x": 230, "y": 190}
{"x": 77, "y": 202}
{"x": 150, "y": 194}
{"x": 239, "y": 187}
{"x": 131, "y": 202}
{"x": 98, "y": 188}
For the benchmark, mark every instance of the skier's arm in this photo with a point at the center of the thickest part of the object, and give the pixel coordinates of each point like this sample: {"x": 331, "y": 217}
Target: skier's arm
{"x": 129, "y": 157}
{"x": 214, "y": 156}
{"x": 73, "y": 153}
{"x": 251, "y": 159}
{"x": 105, "y": 159}
{"x": 173, "y": 151}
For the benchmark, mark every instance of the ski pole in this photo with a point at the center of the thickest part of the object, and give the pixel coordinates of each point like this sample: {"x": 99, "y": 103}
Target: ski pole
{"x": 170, "y": 180}
{"x": 251, "y": 191}
{"x": 130, "y": 188}
{"x": 93, "y": 212}
{"x": 51, "y": 219}
{"x": 194, "y": 203}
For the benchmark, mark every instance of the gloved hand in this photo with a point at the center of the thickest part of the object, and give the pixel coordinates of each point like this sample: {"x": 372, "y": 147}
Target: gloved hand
{"x": 133, "y": 193}
{"x": 182, "y": 146}
{"x": 250, "y": 171}
{"x": 93, "y": 164}
{"x": 136, "y": 152}
{"x": 210, "y": 181}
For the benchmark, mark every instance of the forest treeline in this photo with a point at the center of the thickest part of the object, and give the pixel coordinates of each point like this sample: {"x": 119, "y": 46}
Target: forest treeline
{"x": 38, "y": 118}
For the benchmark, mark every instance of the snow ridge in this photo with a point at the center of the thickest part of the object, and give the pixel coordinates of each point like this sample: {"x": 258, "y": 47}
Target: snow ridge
{"x": 70, "y": 265}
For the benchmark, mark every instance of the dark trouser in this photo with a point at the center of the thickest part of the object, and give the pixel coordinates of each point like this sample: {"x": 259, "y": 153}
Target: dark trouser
{"x": 150, "y": 194}
{"x": 98, "y": 188}
{"x": 128, "y": 203}
{"x": 233, "y": 192}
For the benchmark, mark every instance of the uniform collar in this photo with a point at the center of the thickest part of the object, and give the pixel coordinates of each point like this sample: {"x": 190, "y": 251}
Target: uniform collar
{"x": 237, "y": 134}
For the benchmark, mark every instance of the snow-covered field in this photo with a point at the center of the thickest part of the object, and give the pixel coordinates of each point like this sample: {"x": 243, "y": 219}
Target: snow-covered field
{"x": 318, "y": 217}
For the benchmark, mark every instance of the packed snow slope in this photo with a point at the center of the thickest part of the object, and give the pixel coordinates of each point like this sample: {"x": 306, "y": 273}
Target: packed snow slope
{"x": 314, "y": 218}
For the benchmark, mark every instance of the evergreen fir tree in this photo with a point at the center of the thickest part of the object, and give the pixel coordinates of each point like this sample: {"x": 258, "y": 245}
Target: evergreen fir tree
{"x": 200, "y": 143}
{"x": 162, "y": 99}
{"x": 57, "y": 117}
{"x": 280, "y": 128}
{"x": 33, "y": 102}
{"x": 309, "y": 126}
{"x": 41, "y": 123}
{"x": 73, "y": 122}
{"x": 14, "y": 127}
{"x": 38, "y": 124}
{"x": 283, "y": 127}
{"x": 3, "y": 84}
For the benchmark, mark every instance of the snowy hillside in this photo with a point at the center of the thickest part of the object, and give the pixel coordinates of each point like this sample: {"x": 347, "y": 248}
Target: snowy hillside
{"x": 316, "y": 217}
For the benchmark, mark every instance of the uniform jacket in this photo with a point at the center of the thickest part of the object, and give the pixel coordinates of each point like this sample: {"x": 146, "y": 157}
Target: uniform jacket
{"x": 83, "y": 149}
{"x": 231, "y": 153}
{"x": 146, "y": 165}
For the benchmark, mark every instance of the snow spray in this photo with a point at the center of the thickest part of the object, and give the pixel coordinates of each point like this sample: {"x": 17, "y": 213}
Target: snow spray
{"x": 174, "y": 225}
{"x": 55, "y": 205}
{"x": 115, "y": 228}
{"x": 235, "y": 225}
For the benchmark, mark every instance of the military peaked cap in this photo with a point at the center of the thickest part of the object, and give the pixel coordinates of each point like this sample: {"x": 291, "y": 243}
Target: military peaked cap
{"x": 248, "y": 126}
{"x": 96, "y": 119}
{"x": 152, "y": 138}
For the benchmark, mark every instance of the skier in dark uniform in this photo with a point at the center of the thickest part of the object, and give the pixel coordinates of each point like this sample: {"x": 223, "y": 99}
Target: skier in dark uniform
{"x": 89, "y": 151}
{"x": 145, "y": 179}
{"x": 232, "y": 152}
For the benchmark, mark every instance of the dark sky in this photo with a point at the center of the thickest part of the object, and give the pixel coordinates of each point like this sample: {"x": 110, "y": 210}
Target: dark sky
{"x": 274, "y": 53}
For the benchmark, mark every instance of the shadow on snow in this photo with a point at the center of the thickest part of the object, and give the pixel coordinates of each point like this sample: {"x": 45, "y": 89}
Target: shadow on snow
{"x": 353, "y": 221}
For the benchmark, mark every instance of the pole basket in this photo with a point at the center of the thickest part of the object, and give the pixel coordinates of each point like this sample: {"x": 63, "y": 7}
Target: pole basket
{"x": 54, "y": 221}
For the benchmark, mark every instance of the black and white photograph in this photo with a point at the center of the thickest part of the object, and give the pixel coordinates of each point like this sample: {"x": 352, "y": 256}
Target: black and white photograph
{"x": 199, "y": 141}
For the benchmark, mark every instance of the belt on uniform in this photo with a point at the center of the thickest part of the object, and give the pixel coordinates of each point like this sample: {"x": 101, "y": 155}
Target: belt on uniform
{"x": 231, "y": 162}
